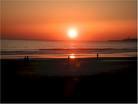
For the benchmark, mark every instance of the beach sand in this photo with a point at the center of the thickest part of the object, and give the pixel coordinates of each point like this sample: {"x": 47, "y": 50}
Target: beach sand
{"x": 74, "y": 80}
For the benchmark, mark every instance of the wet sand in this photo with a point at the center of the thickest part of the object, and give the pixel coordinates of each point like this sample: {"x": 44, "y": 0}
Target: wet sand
{"x": 76, "y": 80}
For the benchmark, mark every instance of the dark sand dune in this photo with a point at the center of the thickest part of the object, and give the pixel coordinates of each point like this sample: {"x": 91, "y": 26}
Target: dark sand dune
{"x": 80, "y": 80}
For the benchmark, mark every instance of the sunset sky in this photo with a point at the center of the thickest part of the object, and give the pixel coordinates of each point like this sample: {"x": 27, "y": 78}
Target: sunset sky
{"x": 51, "y": 19}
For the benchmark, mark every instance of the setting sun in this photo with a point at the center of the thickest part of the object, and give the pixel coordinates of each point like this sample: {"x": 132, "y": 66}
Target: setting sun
{"x": 72, "y": 33}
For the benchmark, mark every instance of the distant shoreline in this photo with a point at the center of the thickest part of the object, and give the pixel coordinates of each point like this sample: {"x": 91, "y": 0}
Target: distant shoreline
{"x": 124, "y": 40}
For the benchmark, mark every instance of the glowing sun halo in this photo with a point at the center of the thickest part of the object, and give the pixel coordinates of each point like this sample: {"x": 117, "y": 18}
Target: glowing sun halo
{"x": 72, "y": 33}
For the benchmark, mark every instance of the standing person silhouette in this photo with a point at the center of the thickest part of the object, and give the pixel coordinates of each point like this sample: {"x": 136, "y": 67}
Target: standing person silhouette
{"x": 68, "y": 59}
{"x": 27, "y": 58}
{"x": 97, "y": 56}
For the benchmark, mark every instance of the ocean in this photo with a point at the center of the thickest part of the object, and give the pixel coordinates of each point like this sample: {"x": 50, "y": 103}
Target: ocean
{"x": 18, "y": 49}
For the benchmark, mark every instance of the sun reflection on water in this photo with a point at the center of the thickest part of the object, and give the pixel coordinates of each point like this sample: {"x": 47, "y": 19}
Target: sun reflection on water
{"x": 72, "y": 56}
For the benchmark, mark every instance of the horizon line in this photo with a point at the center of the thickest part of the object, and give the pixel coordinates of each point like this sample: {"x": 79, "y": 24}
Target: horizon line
{"x": 74, "y": 40}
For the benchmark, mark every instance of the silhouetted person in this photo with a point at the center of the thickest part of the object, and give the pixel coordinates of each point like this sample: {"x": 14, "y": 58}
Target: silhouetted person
{"x": 68, "y": 59}
{"x": 27, "y": 58}
{"x": 24, "y": 58}
{"x": 97, "y": 56}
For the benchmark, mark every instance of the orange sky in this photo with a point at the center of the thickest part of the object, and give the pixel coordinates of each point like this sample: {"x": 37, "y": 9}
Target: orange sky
{"x": 51, "y": 19}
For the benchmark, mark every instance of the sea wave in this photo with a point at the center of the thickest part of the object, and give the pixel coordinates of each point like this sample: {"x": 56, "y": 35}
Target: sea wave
{"x": 68, "y": 51}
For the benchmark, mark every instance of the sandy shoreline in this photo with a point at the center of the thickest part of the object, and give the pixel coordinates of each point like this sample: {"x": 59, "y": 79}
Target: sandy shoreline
{"x": 81, "y": 80}
{"x": 72, "y": 67}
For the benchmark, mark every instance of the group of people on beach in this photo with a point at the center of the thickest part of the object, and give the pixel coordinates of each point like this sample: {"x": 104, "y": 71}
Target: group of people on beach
{"x": 26, "y": 58}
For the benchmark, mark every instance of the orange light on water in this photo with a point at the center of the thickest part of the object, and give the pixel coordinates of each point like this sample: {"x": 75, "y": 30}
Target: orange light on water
{"x": 72, "y": 56}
